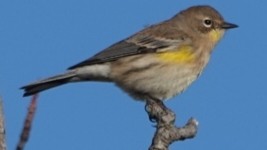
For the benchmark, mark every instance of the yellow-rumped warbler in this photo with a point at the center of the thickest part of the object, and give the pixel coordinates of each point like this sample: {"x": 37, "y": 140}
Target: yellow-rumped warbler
{"x": 158, "y": 62}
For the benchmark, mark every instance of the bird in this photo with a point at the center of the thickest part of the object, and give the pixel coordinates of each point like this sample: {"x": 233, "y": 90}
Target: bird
{"x": 159, "y": 62}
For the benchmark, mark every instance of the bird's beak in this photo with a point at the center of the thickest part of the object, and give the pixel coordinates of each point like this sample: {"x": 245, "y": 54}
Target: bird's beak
{"x": 227, "y": 25}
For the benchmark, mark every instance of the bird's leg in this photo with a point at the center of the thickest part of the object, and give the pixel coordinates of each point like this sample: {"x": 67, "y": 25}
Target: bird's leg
{"x": 158, "y": 112}
{"x": 149, "y": 109}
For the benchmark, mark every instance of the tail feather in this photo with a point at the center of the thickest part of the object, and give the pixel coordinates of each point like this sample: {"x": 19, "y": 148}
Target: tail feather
{"x": 48, "y": 83}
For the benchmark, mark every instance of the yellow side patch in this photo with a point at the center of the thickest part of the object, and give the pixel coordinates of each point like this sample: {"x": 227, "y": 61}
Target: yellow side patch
{"x": 183, "y": 55}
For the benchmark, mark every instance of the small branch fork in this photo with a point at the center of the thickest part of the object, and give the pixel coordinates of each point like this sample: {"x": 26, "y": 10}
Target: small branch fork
{"x": 166, "y": 131}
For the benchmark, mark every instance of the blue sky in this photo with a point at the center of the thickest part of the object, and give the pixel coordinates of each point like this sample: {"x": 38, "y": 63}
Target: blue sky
{"x": 44, "y": 37}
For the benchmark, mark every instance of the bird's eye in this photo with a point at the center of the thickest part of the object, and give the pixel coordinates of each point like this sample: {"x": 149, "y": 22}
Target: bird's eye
{"x": 207, "y": 22}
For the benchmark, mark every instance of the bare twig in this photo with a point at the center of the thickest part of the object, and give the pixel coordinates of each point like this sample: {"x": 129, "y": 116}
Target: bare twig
{"x": 167, "y": 132}
{"x": 2, "y": 127}
{"x": 27, "y": 124}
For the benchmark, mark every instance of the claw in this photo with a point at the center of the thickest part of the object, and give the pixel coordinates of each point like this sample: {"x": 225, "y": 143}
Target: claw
{"x": 151, "y": 117}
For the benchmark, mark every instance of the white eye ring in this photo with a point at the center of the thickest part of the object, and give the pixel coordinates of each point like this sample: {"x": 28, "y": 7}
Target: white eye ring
{"x": 207, "y": 22}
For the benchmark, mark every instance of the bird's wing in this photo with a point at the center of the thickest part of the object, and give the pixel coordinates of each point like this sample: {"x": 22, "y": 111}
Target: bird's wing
{"x": 136, "y": 44}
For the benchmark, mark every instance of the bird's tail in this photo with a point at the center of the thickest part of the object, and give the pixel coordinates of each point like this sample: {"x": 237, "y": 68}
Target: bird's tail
{"x": 48, "y": 83}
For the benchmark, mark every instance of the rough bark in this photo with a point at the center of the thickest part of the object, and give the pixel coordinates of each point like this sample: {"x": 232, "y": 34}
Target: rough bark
{"x": 2, "y": 127}
{"x": 25, "y": 134}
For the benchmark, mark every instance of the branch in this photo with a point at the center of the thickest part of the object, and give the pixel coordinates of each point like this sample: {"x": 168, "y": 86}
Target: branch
{"x": 27, "y": 124}
{"x": 2, "y": 127}
{"x": 167, "y": 132}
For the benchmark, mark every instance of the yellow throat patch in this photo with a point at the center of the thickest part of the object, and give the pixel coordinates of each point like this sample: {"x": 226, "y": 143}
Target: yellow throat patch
{"x": 216, "y": 35}
{"x": 182, "y": 55}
